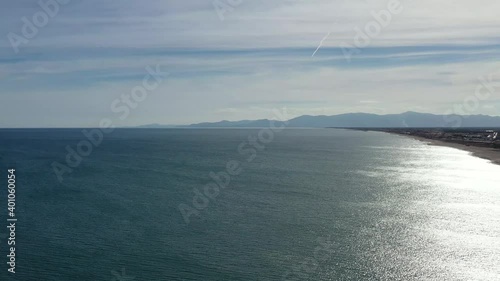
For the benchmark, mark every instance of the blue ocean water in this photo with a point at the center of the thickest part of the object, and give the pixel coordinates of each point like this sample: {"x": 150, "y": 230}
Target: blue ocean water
{"x": 310, "y": 204}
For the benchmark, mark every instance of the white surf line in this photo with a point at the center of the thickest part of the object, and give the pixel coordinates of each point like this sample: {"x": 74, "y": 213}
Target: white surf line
{"x": 321, "y": 43}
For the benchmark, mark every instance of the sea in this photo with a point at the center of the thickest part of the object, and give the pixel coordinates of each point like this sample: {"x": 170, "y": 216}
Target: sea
{"x": 246, "y": 204}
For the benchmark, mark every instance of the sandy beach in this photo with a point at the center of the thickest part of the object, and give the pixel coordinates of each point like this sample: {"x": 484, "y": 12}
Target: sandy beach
{"x": 482, "y": 152}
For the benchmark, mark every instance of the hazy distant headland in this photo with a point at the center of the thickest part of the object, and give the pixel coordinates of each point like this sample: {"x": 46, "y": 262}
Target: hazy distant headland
{"x": 358, "y": 120}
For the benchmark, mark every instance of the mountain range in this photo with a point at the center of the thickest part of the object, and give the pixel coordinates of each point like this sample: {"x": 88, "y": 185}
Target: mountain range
{"x": 361, "y": 120}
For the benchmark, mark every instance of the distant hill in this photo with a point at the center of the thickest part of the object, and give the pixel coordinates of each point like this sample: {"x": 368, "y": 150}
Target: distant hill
{"x": 365, "y": 120}
{"x": 240, "y": 124}
{"x": 155, "y": 126}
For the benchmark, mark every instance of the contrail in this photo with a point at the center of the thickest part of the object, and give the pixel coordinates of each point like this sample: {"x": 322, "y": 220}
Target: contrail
{"x": 321, "y": 43}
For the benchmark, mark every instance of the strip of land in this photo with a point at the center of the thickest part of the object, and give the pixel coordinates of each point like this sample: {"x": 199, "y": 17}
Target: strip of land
{"x": 483, "y": 143}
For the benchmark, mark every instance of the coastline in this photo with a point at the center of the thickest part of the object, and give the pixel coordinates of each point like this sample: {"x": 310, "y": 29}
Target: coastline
{"x": 483, "y": 152}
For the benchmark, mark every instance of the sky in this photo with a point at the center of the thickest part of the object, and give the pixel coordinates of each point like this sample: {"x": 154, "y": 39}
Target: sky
{"x": 240, "y": 59}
